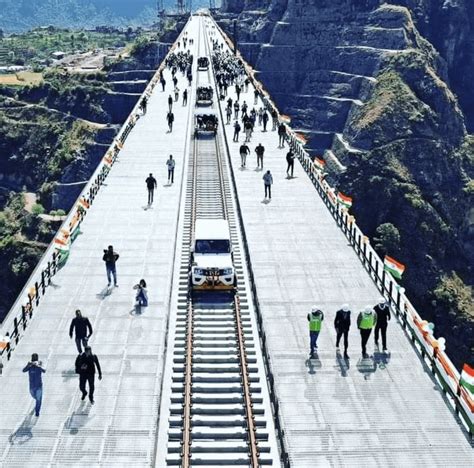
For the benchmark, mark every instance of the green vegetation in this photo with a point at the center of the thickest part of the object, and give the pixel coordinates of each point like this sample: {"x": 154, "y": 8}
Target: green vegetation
{"x": 453, "y": 294}
{"x": 37, "y": 46}
{"x": 387, "y": 239}
{"x": 80, "y": 94}
{"x": 37, "y": 209}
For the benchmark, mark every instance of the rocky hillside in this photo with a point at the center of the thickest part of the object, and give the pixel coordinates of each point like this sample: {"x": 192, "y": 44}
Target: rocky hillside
{"x": 374, "y": 96}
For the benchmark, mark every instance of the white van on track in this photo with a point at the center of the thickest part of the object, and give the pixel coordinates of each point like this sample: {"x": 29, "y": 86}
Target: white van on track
{"x": 212, "y": 266}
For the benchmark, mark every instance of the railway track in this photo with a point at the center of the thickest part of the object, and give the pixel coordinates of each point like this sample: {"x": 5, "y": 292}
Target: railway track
{"x": 219, "y": 409}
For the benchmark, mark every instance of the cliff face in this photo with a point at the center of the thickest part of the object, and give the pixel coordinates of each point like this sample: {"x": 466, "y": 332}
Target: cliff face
{"x": 375, "y": 97}
{"x": 449, "y": 26}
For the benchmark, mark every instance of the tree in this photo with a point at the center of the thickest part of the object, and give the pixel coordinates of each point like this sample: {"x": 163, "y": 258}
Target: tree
{"x": 37, "y": 209}
{"x": 387, "y": 239}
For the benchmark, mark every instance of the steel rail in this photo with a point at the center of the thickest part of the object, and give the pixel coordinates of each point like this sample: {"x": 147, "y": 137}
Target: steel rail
{"x": 253, "y": 449}
{"x": 251, "y": 427}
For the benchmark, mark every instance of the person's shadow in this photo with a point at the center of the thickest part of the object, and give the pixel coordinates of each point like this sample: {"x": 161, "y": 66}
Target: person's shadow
{"x": 107, "y": 291}
{"x": 68, "y": 375}
{"x": 381, "y": 359}
{"x": 313, "y": 364}
{"x": 78, "y": 418}
{"x": 366, "y": 366}
{"x": 266, "y": 201}
{"x": 343, "y": 363}
{"x": 24, "y": 433}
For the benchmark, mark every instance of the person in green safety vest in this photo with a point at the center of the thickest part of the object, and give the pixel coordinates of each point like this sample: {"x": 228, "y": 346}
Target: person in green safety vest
{"x": 366, "y": 321}
{"x": 315, "y": 320}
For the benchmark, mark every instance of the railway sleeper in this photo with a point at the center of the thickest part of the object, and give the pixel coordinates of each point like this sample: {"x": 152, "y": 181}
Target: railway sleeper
{"x": 215, "y": 387}
{"x": 228, "y": 408}
{"x": 209, "y": 378}
{"x": 199, "y": 432}
{"x": 217, "y": 446}
{"x": 216, "y": 398}
{"x": 218, "y": 420}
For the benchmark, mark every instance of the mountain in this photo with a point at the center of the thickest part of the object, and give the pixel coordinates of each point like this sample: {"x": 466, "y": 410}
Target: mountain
{"x": 21, "y": 15}
{"x": 383, "y": 90}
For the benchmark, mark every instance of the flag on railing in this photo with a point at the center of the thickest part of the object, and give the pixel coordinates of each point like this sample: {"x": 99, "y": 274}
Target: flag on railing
{"x": 4, "y": 340}
{"x": 285, "y": 119}
{"x": 467, "y": 378}
{"x": 393, "y": 267}
{"x": 319, "y": 163}
{"x": 301, "y": 138}
{"x": 344, "y": 200}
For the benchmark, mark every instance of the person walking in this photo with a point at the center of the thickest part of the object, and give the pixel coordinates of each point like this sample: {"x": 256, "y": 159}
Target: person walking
{"x": 170, "y": 120}
{"x": 170, "y": 164}
{"x": 382, "y": 309}
{"x": 236, "y": 131}
{"x": 143, "y": 104}
{"x": 366, "y": 321}
{"x": 248, "y": 129}
{"x": 268, "y": 181}
{"x": 163, "y": 83}
{"x": 274, "y": 119}
{"x": 228, "y": 112}
{"x": 290, "y": 159}
{"x": 83, "y": 328}
{"x": 170, "y": 103}
{"x": 236, "y": 110}
{"x": 176, "y": 94}
{"x": 185, "y": 97}
{"x": 142, "y": 294}
{"x": 342, "y": 323}
{"x": 244, "y": 152}
{"x": 35, "y": 371}
{"x": 281, "y": 135}
{"x": 315, "y": 320}
{"x": 255, "y": 96}
{"x": 238, "y": 90}
{"x": 260, "y": 150}
{"x": 265, "y": 120}
{"x": 110, "y": 258}
{"x": 86, "y": 364}
{"x": 151, "y": 185}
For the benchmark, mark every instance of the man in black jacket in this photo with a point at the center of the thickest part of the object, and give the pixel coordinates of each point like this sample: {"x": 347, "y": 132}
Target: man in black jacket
{"x": 151, "y": 185}
{"x": 110, "y": 258}
{"x": 383, "y": 316}
{"x": 342, "y": 322}
{"x": 85, "y": 367}
{"x": 83, "y": 329}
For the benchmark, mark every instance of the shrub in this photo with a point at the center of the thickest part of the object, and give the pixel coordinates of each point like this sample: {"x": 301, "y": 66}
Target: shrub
{"x": 37, "y": 209}
{"x": 387, "y": 238}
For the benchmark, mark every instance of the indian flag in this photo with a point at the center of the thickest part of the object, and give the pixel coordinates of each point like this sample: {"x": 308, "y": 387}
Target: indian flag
{"x": 467, "y": 378}
{"x": 319, "y": 163}
{"x": 285, "y": 119}
{"x": 344, "y": 200}
{"x": 301, "y": 138}
{"x": 393, "y": 267}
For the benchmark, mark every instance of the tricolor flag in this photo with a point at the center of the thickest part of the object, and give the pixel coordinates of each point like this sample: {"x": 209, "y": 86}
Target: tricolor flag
{"x": 301, "y": 138}
{"x": 285, "y": 119}
{"x": 467, "y": 378}
{"x": 319, "y": 163}
{"x": 344, "y": 200}
{"x": 63, "y": 254}
{"x": 393, "y": 267}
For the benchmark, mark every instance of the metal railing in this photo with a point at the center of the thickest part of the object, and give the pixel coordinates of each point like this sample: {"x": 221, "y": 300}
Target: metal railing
{"x": 427, "y": 346}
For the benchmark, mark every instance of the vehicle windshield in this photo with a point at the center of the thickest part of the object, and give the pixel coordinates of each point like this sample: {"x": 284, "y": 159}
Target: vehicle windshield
{"x": 216, "y": 246}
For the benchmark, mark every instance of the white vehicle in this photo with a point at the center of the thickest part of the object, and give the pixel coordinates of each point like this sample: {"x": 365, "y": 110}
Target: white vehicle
{"x": 212, "y": 265}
